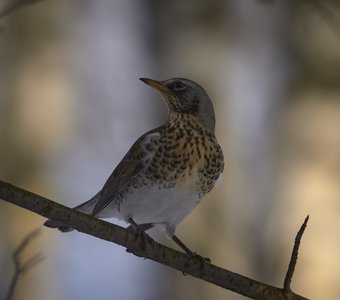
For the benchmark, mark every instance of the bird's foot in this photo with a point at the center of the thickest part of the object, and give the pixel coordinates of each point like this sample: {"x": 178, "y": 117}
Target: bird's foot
{"x": 191, "y": 255}
{"x": 141, "y": 235}
{"x": 194, "y": 256}
{"x": 142, "y": 239}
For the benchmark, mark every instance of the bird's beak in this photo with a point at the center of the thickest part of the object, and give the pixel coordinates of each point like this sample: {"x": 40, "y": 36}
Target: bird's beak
{"x": 155, "y": 84}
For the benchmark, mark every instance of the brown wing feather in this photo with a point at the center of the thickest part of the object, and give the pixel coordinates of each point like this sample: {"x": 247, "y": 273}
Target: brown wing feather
{"x": 129, "y": 167}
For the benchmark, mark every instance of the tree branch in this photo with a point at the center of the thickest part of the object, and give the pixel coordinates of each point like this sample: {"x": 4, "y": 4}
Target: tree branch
{"x": 152, "y": 250}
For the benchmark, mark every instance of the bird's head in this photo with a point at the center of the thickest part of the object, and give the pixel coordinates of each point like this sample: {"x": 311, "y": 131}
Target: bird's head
{"x": 184, "y": 96}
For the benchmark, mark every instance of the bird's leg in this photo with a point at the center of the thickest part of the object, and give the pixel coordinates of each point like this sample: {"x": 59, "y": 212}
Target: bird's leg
{"x": 182, "y": 245}
{"x": 190, "y": 253}
{"x": 140, "y": 229}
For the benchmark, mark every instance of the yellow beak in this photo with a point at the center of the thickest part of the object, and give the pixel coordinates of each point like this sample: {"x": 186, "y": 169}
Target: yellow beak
{"x": 155, "y": 84}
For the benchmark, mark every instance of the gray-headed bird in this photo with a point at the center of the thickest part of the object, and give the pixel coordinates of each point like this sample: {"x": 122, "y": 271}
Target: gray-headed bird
{"x": 168, "y": 170}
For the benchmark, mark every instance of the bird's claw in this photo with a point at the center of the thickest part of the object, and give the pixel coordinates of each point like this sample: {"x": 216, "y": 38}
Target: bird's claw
{"x": 202, "y": 260}
{"x": 142, "y": 237}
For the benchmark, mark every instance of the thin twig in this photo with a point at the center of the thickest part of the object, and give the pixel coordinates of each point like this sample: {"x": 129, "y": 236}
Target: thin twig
{"x": 21, "y": 268}
{"x": 294, "y": 257}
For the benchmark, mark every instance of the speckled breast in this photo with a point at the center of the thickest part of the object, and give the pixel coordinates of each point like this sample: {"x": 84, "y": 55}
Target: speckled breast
{"x": 184, "y": 156}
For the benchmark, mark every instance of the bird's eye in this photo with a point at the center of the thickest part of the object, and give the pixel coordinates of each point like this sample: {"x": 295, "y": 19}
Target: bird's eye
{"x": 178, "y": 86}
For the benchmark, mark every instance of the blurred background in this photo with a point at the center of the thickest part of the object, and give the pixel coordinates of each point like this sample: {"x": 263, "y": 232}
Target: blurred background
{"x": 71, "y": 105}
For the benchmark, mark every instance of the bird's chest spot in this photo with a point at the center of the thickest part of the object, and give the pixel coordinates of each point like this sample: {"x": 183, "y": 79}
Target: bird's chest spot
{"x": 190, "y": 162}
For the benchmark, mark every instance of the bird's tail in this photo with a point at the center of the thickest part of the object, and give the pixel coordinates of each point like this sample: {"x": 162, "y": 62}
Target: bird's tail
{"x": 86, "y": 207}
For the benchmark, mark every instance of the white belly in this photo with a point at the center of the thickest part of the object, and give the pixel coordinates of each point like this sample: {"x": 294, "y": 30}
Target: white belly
{"x": 166, "y": 207}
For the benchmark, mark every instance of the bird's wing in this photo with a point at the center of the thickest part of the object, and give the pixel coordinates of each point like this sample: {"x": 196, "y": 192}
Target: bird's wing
{"x": 130, "y": 166}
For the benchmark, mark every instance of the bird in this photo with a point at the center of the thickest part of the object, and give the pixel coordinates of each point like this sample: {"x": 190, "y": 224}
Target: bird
{"x": 168, "y": 170}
